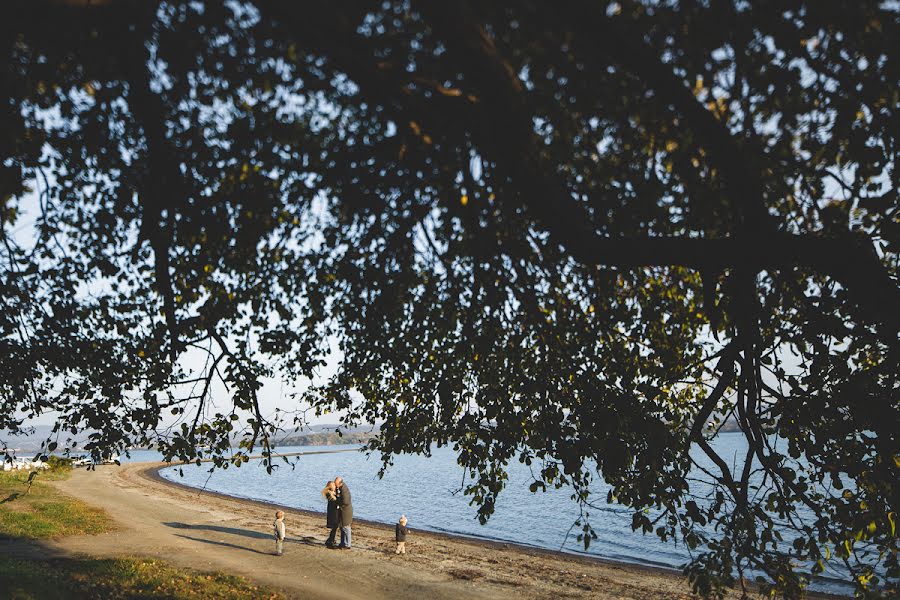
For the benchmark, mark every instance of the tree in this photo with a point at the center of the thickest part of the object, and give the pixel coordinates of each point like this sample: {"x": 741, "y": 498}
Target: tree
{"x": 568, "y": 234}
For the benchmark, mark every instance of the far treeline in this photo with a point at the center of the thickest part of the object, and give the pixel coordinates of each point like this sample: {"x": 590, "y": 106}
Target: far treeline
{"x": 561, "y": 233}
{"x": 326, "y": 439}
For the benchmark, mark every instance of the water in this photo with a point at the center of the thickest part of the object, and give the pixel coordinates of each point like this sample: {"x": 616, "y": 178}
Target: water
{"x": 425, "y": 490}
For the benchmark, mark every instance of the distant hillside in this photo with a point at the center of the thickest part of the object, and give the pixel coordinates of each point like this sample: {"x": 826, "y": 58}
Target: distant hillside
{"x": 36, "y": 435}
{"x": 730, "y": 426}
{"x": 331, "y": 427}
{"x": 326, "y": 439}
{"x": 312, "y": 435}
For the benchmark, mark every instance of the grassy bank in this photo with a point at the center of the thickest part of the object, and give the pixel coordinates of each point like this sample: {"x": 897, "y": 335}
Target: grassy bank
{"x": 118, "y": 578}
{"x": 32, "y": 509}
{"x": 35, "y": 509}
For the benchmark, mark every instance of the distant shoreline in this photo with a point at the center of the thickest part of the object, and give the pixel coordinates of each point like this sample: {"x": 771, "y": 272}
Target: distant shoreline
{"x": 253, "y": 457}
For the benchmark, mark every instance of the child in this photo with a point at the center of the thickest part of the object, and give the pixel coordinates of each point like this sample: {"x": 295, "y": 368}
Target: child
{"x": 279, "y": 532}
{"x": 400, "y": 535}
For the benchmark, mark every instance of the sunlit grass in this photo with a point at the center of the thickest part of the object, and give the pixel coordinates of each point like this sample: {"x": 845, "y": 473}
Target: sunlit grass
{"x": 119, "y": 578}
{"x": 37, "y": 510}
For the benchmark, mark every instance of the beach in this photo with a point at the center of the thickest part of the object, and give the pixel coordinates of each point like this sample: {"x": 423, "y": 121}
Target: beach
{"x": 209, "y": 531}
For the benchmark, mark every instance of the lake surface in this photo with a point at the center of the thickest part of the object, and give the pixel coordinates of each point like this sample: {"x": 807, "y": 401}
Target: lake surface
{"x": 425, "y": 490}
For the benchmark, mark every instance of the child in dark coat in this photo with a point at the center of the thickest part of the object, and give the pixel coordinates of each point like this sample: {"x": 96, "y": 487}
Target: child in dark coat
{"x": 400, "y": 535}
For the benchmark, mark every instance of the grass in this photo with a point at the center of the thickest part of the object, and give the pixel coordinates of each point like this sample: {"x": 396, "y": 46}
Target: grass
{"x": 110, "y": 579}
{"x": 34, "y": 509}
{"x": 37, "y": 510}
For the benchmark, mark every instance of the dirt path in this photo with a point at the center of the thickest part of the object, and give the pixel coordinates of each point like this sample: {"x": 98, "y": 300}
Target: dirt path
{"x": 212, "y": 532}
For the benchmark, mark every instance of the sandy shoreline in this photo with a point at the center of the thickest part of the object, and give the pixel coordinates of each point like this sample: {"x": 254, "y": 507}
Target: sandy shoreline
{"x": 153, "y": 472}
{"x": 213, "y": 531}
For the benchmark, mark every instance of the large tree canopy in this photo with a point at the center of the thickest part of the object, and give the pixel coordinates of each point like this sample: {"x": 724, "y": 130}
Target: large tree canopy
{"x": 566, "y": 233}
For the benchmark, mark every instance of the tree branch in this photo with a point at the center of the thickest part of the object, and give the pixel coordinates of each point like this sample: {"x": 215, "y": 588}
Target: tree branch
{"x": 850, "y": 261}
{"x": 162, "y": 181}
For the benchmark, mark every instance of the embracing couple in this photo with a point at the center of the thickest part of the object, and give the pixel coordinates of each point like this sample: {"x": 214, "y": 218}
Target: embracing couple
{"x": 339, "y": 513}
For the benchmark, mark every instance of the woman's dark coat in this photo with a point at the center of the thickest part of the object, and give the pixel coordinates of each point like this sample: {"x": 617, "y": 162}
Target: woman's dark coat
{"x": 346, "y": 512}
{"x": 332, "y": 519}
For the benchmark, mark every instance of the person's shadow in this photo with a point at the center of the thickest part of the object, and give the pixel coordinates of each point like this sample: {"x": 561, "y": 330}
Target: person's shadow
{"x": 248, "y": 533}
{"x": 219, "y": 529}
{"x": 217, "y": 543}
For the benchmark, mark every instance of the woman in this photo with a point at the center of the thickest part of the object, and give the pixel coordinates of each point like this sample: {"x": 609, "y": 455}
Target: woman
{"x": 332, "y": 519}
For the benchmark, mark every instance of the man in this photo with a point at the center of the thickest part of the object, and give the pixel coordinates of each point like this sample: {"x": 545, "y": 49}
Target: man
{"x": 346, "y": 511}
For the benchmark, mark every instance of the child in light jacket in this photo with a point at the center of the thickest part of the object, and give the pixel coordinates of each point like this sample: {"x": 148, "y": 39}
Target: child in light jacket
{"x": 279, "y": 532}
